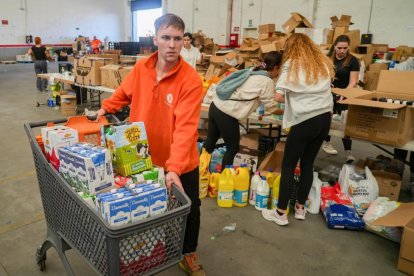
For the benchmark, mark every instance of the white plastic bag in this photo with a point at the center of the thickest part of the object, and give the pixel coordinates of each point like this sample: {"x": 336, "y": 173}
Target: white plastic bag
{"x": 314, "y": 198}
{"x": 208, "y": 98}
{"x": 379, "y": 208}
{"x": 362, "y": 191}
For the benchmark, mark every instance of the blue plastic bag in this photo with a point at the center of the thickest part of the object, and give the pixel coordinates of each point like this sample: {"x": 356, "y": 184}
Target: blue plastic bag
{"x": 343, "y": 216}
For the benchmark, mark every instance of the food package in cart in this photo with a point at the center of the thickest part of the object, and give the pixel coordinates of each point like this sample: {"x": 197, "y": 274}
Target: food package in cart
{"x": 86, "y": 167}
{"x": 129, "y": 147}
{"x": 54, "y": 137}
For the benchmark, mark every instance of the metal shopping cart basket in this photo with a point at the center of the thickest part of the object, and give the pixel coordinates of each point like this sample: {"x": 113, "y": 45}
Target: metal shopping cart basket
{"x": 140, "y": 248}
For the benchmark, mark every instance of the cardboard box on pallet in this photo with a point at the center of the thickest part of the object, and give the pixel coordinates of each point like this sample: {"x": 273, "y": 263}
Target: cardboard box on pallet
{"x": 403, "y": 216}
{"x": 87, "y": 70}
{"x": 381, "y": 122}
{"x": 113, "y": 75}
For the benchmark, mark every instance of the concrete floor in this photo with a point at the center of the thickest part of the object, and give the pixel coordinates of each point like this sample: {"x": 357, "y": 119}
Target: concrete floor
{"x": 257, "y": 247}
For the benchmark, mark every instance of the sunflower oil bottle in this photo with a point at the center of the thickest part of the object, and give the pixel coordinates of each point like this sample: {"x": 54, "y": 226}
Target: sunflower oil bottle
{"x": 225, "y": 188}
{"x": 270, "y": 178}
{"x": 213, "y": 184}
{"x": 253, "y": 187}
{"x": 241, "y": 186}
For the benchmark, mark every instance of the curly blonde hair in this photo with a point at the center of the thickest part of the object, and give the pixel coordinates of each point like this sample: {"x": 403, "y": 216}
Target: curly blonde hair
{"x": 303, "y": 54}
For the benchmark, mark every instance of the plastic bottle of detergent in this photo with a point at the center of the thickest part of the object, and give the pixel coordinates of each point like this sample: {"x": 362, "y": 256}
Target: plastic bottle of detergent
{"x": 253, "y": 187}
{"x": 241, "y": 186}
{"x": 213, "y": 184}
{"x": 225, "y": 188}
{"x": 262, "y": 194}
{"x": 270, "y": 178}
{"x": 204, "y": 173}
{"x": 275, "y": 195}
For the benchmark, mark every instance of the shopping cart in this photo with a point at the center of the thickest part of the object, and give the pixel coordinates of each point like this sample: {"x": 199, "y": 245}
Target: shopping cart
{"x": 140, "y": 248}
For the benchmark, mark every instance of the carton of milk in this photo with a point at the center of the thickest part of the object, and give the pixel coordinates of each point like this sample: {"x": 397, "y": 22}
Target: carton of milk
{"x": 56, "y": 137}
{"x": 117, "y": 210}
{"x": 129, "y": 147}
{"x": 140, "y": 206}
{"x": 158, "y": 201}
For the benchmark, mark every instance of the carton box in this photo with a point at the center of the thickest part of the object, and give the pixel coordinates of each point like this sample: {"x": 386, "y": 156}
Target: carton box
{"x": 68, "y": 105}
{"x": 371, "y": 80}
{"x": 344, "y": 21}
{"x": 112, "y": 75}
{"x": 247, "y": 156}
{"x": 366, "y": 50}
{"x": 295, "y": 21}
{"x": 129, "y": 147}
{"x": 267, "y": 28}
{"x": 355, "y": 37}
{"x": 389, "y": 184}
{"x": 402, "y": 52}
{"x": 212, "y": 71}
{"x": 109, "y": 58}
{"x": 380, "y": 48}
{"x": 386, "y": 123}
{"x": 273, "y": 160}
{"x": 267, "y": 48}
{"x": 378, "y": 67}
{"x": 403, "y": 216}
{"x": 88, "y": 70}
{"x": 339, "y": 31}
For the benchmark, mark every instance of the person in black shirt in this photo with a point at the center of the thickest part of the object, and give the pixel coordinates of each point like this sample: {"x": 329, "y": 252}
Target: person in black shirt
{"x": 346, "y": 76}
{"x": 39, "y": 54}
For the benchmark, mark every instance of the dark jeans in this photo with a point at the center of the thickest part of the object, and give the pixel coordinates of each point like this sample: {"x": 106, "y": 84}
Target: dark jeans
{"x": 402, "y": 156}
{"x": 303, "y": 143}
{"x": 337, "y": 109}
{"x": 190, "y": 183}
{"x": 40, "y": 68}
{"x": 222, "y": 125}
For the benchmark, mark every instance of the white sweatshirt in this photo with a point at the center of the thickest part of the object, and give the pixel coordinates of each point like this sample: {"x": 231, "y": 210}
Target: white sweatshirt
{"x": 303, "y": 101}
{"x": 247, "y": 98}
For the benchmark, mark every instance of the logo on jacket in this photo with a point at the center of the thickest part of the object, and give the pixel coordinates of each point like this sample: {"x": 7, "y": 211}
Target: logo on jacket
{"x": 169, "y": 99}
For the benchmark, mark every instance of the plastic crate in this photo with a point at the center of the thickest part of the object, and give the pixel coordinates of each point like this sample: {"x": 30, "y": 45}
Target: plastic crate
{"x": 139, "y": 248}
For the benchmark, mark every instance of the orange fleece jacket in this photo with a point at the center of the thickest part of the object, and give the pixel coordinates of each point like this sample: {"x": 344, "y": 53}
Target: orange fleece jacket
{"x": 170, "y": 109}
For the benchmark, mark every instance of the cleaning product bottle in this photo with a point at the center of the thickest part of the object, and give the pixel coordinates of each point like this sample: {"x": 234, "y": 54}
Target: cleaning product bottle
{"x": 213, "y": 184}
{"x": 204, "y": 173}
{"x": 241, "y": 186}
{"x": 314, "y": 199}
{"x": 253, "y": 187}
{"x": 270, "y": 178}
{"x": 262, "y": 194}
{"x": 275, "y": 196}
{"x": 225, "y": 188}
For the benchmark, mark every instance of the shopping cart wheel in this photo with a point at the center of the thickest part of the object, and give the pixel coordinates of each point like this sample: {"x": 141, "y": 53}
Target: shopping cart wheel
{"x": 41, "y": 259}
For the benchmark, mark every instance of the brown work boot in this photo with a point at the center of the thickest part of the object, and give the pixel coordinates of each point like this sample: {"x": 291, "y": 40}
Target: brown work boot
{"x": 190, "y": 265}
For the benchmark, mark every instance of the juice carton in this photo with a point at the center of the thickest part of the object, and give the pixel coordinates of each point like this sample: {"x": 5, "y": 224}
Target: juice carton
{"x": 129, "y": 148}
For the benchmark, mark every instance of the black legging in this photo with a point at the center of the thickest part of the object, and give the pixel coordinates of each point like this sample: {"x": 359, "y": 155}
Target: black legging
{"x": 303, "y": 142}
{"x": 222, "y": 125}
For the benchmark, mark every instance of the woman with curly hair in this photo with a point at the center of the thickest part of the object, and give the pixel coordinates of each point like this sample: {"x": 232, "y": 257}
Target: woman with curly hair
{"x": 304, "y": 85}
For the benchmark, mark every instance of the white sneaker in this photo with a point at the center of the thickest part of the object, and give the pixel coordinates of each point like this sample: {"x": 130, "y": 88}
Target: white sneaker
{"x": 300, "y": 213}
{"x": 328, "y": 148}
{"x": 349, "y": 158}
{"x": 272, "y": 215}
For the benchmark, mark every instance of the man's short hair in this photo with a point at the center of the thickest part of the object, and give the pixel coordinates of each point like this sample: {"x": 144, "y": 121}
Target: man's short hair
{"x": 167, "y": 20}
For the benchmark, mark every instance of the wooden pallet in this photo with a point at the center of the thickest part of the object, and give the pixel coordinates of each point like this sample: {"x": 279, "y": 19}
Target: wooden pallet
{"x": 8, "y": 62}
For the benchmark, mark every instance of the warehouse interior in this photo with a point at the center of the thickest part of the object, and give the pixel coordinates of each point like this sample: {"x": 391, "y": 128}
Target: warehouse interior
{"x": 236, "y": 241}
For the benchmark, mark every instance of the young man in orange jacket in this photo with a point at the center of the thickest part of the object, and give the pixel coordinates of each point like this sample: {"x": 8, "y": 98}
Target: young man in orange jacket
{"x": 165, "y": 93}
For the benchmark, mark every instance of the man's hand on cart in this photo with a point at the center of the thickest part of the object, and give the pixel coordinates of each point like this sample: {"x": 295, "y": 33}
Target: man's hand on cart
{"x": 101, "y": 112}
{"x": 172, "y": 177}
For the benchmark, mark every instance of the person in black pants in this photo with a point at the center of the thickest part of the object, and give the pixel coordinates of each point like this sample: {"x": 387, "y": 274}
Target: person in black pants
{"x": 346, "y": 76}
{"x": 40, "y": 55}
{"x": 305, "y": 87}
{"x": 402, "y": 156}
{"x": 224, "y": 115}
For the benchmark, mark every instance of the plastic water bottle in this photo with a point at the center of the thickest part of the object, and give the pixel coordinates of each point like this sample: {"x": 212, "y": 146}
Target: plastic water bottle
{"x": 262, "y": 194}
{"x": 254, "y": 182}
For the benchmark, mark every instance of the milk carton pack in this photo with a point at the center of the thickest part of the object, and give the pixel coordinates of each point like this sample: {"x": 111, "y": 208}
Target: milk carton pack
{"x": 158, "y": 201}
{"x": 56, "y": 137}
{"x": 117, "y": 209}
{"x": 88, "y": 169}
{"x": 140, "y": 206}
{"x": 128, "y": 144}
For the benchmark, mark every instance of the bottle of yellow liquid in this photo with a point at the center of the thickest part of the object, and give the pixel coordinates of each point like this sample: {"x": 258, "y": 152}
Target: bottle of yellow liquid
{"x": 241, "y": 186}
{"x": 275, "y": 194}
{"x": 204, "y": 173}
{"x": 213, "y": 184}
{"x": 270, "y": 178}
{"x": 225, "y": 188}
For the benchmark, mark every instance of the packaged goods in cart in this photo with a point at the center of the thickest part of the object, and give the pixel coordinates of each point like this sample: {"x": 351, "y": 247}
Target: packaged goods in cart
{"x": 86, "y": 167}
{"x": 55, "y": 137}
{"x": 129, "y": 147}
{"x": 121, "y": 181}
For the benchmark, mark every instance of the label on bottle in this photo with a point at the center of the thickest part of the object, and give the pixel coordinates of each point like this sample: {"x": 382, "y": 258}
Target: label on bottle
{"x": 261, "y": 201}
{"x": 240, "y": 196}
{"x": 225, "y": 195}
